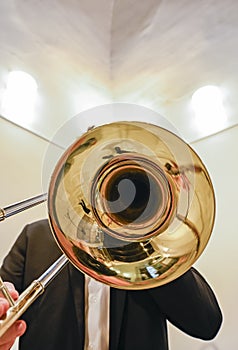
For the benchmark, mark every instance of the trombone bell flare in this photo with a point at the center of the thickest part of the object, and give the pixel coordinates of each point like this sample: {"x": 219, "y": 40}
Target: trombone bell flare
{"x": 131, "y": 204}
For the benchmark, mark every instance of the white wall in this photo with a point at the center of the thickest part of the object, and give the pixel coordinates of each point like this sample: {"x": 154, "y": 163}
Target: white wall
{"x": 22, "y": 155}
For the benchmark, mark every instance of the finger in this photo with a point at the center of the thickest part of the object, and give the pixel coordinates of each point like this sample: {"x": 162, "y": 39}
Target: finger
{"x": 4, "y": 305}
{"x": 20, "y": 326}
{"x": 16, "y": 330}
{"x": 13, "y": 292}
{"x": 6, "y": 346}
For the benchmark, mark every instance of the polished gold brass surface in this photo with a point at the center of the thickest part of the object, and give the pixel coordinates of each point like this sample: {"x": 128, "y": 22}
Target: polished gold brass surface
{"x": 131, "y": 204}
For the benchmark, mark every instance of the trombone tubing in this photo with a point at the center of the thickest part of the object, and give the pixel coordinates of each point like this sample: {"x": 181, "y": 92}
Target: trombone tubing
{"x": 21, "y": 206}
{"x": 35, "y": 289}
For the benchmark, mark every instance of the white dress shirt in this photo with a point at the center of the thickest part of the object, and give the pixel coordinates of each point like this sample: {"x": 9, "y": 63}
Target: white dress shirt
{"x": 97, "y": 299}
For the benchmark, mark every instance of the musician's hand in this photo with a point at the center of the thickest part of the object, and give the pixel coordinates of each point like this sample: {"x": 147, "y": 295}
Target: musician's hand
{"x": 17, "y": 329}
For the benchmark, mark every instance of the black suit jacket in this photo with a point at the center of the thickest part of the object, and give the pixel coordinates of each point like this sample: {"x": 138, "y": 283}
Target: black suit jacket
{"x": 137, "y": 318}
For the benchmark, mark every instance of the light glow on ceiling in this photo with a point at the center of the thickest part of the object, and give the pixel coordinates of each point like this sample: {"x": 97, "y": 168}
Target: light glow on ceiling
{"x": 19, "y": 97}
{"x": 87, "y": 96}
{"x": 207, "y": 104}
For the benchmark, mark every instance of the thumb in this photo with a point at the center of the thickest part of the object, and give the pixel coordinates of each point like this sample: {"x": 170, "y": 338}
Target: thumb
{"x": 20, "y": 327}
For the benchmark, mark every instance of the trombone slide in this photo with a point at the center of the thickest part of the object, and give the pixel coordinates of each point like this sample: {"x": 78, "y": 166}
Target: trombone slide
{"x": 21, "y": 305}
{"x": 35, "y": 289}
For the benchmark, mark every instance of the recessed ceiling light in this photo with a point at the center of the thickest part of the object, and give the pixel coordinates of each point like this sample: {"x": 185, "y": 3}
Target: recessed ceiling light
{"x": 207, "y": 103}
{"x": 19, "y": 96}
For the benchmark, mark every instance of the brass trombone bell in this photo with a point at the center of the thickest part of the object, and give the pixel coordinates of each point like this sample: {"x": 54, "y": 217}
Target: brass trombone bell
{"x": 131, "y": 204}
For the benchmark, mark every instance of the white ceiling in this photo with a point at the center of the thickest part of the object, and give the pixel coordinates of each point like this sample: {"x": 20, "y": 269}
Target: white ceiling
{"x": 155, "y": 53}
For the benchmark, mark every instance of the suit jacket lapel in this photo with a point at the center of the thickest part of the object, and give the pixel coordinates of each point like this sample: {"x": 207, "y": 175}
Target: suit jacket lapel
{"x": 77, "y": 284}
{"x": 117, "y": 306}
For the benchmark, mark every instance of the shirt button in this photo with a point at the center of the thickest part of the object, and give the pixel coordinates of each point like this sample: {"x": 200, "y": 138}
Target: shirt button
{"x": 91, "y": 347}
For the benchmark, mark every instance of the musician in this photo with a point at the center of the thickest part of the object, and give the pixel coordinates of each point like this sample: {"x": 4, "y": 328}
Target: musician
{"x": 137, "y": 319}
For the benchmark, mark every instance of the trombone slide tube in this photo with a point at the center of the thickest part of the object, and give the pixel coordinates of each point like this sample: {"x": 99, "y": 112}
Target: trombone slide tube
{"x": 21, "y": 206}
{"x": 21, "y": 305}
{"x": 35, "y": 289}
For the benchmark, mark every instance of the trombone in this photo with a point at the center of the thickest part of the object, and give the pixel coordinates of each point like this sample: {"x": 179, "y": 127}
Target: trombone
{"x": 129, "y": 203}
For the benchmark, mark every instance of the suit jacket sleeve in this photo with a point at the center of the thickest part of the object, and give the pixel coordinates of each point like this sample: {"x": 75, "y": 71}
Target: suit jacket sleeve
{"x": 190, "y": 304}
{"x": 19, "y": 266}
